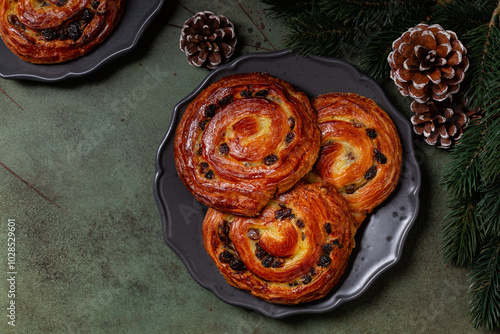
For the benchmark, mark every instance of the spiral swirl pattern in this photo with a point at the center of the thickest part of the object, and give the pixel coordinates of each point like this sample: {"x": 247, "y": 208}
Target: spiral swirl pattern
{"x": 55, "y": 31}
{"x": 244, "y": 139}
{"x": 295, "y": 251}
{"x": 360, "y": 152}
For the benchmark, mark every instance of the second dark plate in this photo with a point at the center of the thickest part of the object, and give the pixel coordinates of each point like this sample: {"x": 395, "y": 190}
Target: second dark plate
{"x": 136, "y": 18}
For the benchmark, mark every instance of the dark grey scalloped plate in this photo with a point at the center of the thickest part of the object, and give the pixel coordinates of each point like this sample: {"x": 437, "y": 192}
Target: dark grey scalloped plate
{"x": 137, "y": 17}
{"x": 380, "y": 240}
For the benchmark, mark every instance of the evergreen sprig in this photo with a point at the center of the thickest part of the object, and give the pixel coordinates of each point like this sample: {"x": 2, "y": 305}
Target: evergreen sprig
{"x": 463, "y": 177}
{"x": 375, "y": 14}
{"x": 286, "y": 9}
{"x": 316, "y": 33}
{"x": 342, "y": 28}
{"x": 374, "y": 59}
{"x": 472, "y": 176}
{"x": 484, "y": 291}
{"x": 483, "y": 45}
{"x": 488, "y": 208}
{"x": 471, "y": 14}
{"x": 489, "y": 157}
{"x": 461, "y": 234}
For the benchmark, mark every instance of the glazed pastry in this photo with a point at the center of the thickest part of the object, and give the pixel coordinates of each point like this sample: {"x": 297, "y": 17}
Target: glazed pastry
{"x": 294, "y": 252}
{"x": 360, "y": 150}
{"x": 55, "y": 31}
{"x": 244, "y": 139}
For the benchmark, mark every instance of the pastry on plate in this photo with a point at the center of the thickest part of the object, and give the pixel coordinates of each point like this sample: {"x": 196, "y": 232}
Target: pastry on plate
{"x": 56, "y": 31}
{"x": 295, "y": 251}
{"x": 244, "y": 139}
{"x": 361, "y": 152}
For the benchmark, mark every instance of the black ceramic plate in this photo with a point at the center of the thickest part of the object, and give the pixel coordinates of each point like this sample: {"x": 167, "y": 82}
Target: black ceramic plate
{"x": 136, "y": 18}
{"x": 379, "y": 242}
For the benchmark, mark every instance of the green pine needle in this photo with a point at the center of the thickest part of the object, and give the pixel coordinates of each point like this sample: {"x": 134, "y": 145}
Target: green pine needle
{"x": 314, "y": 33}
{"x": 340, "y": 28}
{"x": 375, "y": 52}
{"x": 489, "y": 209}
{"x": 484, "y": 292}
{"x": 483, "y": 45}
{"x": 471, "y": 13}
{"x": 473, "y": 173}
{"x": 376, "y": 14}
{"x": 490, "y": 156}
{"x": 285, "y": 9}
{"x": 461, "y": 235}
{"x": 374, "y": 59}
{"x": 463, "y": 175}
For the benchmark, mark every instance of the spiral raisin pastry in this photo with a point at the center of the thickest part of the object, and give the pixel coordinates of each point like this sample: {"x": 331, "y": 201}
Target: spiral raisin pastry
{"x": 360, "y": 150}
{"x": 55, "y": 31}
{"x": 294, "y": 252}
{"x": 244, "y": 139}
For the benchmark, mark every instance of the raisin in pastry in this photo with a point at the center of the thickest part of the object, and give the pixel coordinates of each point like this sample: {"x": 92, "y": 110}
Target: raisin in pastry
{"x": 55, "y": 31}
{"x": 360, "y": 152}
{"x": 244, "y": 139}
{"x": 295, "y": 251}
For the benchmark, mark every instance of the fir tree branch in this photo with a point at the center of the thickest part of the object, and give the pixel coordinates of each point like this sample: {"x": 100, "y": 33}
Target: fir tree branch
{"x": 490, "y": 156}
{"x": 488, "y": 209}
{"x": 483, "y": 45}
{"x": 463, "y": 174}
{"x": 286, "y": 9}
{"x": 315, "y": 33}
{"x": 471, "y": 178}
{"x": 376, "y": 14}
{"x": 375, "y": 52}
{"x": 478, "y": 182}
{"x": 374, "y": 59}
{"x": 471, "y": 13}
{"x": 461, "y": 236}
{"x": 340, "y": 28}
{"x": 484, "y": 292}
{"x": 495, "y": 15}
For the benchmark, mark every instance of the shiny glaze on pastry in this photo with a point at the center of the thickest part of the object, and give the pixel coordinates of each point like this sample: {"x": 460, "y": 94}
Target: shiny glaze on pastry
{"x": 244, "y": 139}
{"x": 361, "y": 151}
{"x": 55, "y": 31}
{"x": 295, "y": 251}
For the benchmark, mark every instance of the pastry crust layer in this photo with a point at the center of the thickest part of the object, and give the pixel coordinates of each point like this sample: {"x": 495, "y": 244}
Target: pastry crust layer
{"x": 361, "y": 153}
{"x": 244, "y": 139}
{"x": 294, "y": 252}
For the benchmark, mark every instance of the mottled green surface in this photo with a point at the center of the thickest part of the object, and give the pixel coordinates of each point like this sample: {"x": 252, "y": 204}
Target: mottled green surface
{"x": 76, "y": 171}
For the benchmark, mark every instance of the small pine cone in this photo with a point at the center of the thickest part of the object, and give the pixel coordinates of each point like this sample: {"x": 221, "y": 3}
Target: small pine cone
{"x": 428, "y": 62}
{"x": 441, "y": 122}
{"x": 208, "y": 40}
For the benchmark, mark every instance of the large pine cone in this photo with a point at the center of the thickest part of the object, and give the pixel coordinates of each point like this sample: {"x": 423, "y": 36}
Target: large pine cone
{"x": 428, "y": 62}
{"x": 208, "y": 40}
{"x": 441, "y": 123}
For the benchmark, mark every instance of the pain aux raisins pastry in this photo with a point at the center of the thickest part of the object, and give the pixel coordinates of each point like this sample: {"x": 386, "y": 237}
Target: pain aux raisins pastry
{"x": 56, "y": 31}
{"x": 361, "y": 151}
{"x": 244, "y": 139}
{"x": 295, "y": 251}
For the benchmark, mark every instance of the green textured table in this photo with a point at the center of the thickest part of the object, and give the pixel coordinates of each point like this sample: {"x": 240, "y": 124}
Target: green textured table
{"x": 77, "y": 161}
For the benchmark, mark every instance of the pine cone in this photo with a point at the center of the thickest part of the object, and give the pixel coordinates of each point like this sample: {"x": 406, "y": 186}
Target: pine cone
{"x": 428, "y": 62}
{"x": 208, "y": 40}
{"x": 441, "y": 122}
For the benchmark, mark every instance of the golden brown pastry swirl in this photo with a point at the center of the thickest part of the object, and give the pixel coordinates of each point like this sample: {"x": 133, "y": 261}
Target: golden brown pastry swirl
{"x": 55, "y": 31}
{"x": 294, "y": 252}
{"x": 361, "y": 151}
{"x": 244, "y": 139}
